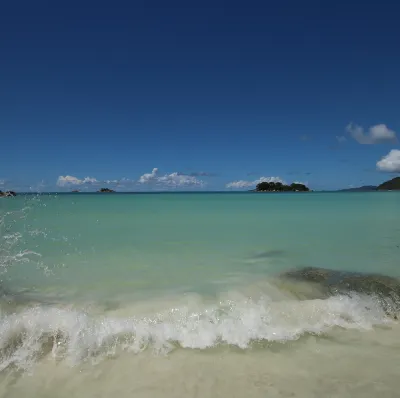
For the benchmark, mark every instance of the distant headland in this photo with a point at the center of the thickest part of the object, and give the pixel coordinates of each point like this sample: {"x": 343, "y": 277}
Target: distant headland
{"x": 280, "y": 187}
{"x": 391, "y": 185}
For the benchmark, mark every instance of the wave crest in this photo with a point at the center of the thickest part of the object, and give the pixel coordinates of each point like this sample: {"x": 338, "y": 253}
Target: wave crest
{"x": 75, "y": 336}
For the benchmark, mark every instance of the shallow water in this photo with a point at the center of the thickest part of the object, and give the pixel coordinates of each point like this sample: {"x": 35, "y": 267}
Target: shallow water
{"x": 178, "y": 295}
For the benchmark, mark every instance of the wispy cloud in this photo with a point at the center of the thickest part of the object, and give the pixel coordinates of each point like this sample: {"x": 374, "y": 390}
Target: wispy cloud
{"x": 248, "y": 184}
{"x": 173, "y": 180}
{"x": 305, "y": 137}
{"x": 377, "y": 134}
{"x": 198, "y": 174}
{"x": 369, "y": 170}
{"x": 341, "y": 139}
{"x": 390, "y": 163}
{"x": 68, "y": 181}
{"x": 298, "y": 173}
{"x": 153, "y": 179}
{"x": 120, "y": 183}
{"x": 39, "y": 187}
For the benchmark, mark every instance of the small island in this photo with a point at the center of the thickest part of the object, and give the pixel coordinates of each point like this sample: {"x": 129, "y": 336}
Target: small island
{"x": 7, "y": 193}
{"x": 105, "y": 190}
{"x": 279, "y": 187}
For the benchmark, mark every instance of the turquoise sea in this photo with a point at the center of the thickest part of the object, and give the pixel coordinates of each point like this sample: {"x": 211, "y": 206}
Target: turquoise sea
{"x": 177, "y": 295}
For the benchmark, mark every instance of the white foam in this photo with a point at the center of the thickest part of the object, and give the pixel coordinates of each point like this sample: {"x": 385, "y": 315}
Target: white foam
{"x": 75, "y": 336}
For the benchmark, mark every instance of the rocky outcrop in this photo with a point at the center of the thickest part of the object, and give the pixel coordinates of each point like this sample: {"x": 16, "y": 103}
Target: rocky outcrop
{"x": 7, "y": 193}
{"x": 332, "y": 282}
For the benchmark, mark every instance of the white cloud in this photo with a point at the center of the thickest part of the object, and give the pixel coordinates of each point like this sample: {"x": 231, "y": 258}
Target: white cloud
{"x": 390, "y": 162}
{"x": 146, "y": 178}
{"x": 65, "y": 181}
{"x": 173, "y": 180}
{"x": 240, "y": 184}
{"x": 375, "y": 135}
{"x": 2, "y": 182}
{"x": 247, "y": 184}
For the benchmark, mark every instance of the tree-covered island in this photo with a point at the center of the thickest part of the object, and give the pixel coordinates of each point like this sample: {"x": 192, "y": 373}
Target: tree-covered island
{"x": 106, "y": 190}
{"x": 280, "y": 187}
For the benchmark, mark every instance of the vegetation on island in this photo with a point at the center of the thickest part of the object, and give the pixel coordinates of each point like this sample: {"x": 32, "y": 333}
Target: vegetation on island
{"x": 280, "y": 187}
{"x": 103, "y": 190}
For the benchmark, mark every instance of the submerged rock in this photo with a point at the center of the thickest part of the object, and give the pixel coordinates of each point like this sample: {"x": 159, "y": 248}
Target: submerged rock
{"x": 269, "y": 254}
{"x": 15, "y": 300}
{"x": 309, "y": 274}
{"x": 332, "y": 282}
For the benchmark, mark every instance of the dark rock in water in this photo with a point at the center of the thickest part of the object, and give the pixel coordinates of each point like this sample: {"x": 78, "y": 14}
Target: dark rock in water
{"x": 8, "y": 193}
{"x": 385, "y": 288}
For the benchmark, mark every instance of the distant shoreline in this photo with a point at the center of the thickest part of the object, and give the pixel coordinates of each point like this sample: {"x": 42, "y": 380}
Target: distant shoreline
{"x": 196, "y": 192}
{"x": 392, "y": 185}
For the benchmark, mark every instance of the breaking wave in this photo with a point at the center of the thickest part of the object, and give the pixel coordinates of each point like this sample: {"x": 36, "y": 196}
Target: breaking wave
{"x": 76, "y": 336}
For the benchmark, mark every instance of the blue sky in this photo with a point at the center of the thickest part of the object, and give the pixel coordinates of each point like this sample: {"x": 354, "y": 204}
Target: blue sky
{"x": 207, "y": 93}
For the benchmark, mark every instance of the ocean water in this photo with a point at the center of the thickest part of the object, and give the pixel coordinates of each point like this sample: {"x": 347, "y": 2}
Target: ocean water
{"x": 180, "y": 295}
